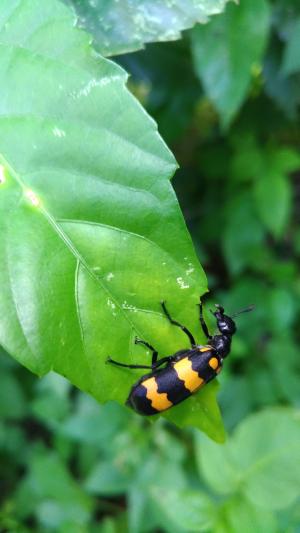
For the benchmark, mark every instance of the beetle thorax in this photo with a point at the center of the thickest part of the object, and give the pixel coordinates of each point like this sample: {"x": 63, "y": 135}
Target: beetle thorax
{"x": 222, "y": 344}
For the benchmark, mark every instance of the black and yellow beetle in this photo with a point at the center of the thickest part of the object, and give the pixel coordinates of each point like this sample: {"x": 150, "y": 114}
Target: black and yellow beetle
{"x": 185, "y": 371}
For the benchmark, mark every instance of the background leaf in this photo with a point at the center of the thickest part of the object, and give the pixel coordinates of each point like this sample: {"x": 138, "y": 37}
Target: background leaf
{"x": 237, "y": 511}
{"x": 281, "y": 88}
{"x": 227, "y": 50}
{"x": 185, "y": 510}
{"x": 119, "y": 27}
{"x": 58, "y": 501}
{"x": 273, "y": 188}
{"x": 258, "y": 462}
{"x": 291, "y": 60}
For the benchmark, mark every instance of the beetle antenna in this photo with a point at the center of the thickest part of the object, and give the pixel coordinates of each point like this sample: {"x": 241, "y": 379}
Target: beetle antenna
{"x": 245, "y": 310}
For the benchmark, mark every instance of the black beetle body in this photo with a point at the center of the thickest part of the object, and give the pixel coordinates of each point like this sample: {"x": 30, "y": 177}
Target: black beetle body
{"x": 176, "y": 377}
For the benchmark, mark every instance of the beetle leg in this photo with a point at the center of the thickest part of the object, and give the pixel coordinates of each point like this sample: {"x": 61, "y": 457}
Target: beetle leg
{"x": 162, "y": 361}
{"x": 144, "y": 343}
{"x": 112, "y": 361}
{"x": 203, "y": 323}
{"x": 175, "y": 323}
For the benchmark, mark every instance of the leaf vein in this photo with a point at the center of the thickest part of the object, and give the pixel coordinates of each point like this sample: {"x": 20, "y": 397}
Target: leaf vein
{"x": 80, "y": 123}
{"x": 80, "y": 174}
{"x": 78, "y": 305}
{"x": 120, "y": 230}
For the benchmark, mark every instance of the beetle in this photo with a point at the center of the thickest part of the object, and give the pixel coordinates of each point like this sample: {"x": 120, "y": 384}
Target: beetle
{"x": 184, "y": 372}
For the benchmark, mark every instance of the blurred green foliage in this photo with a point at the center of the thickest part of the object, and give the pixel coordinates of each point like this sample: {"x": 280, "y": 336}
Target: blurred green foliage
{"x": 68, "y": 464}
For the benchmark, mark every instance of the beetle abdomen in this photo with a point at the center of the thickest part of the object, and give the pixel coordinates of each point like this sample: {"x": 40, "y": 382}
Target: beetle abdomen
{"x": 162, "y": 389}
{"x": 138, "y": 400}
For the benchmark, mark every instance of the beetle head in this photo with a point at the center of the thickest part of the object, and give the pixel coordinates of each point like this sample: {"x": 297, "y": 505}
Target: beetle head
{"x": 225, "y": 323}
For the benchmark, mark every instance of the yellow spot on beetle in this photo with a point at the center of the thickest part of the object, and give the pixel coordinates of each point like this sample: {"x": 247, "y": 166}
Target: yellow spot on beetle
{"x": 205, "y": 348}
{"x": 213, "y": 363}
{"x": 184, "y": 371}
{"x": 159, "y": 400}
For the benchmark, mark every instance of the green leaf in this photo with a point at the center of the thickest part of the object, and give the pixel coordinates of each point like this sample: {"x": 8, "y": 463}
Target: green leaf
{"x": 12, "y": 440}
{"x": 268, "y": 170}
{"x": 291, "y": 56}
{"x": 272, "y": 189}
{"x": 12, "y": 400}
{"x": 119, "y": 27}
{"x": 242, "y": 247}
{"x": 285, "y": 371}
{"x": 281, "y": 298}
{"x": 154, "y": 474}
{"x": 236, "y": 387}
{"x": 227, "y": 50}
{"x": 52, "y": 403}
{"x": 93, "y": 237}
{"x": 273, "y": 201}
{"x": 54, "y": 496}
{"x": 237, "y": 514}
{"x": 185, "y": 510}
{"x": 110, "y": 525}
{"x": 108, "y": 479}
{"x": 261, "y": 461}
{"x": 284, "y": 90}
{"x": 96, "y": 425}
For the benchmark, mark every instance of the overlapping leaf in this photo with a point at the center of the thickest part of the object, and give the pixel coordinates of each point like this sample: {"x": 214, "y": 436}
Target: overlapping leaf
{"x": 119, "y": 27}
{"x": 91, "y": 234}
